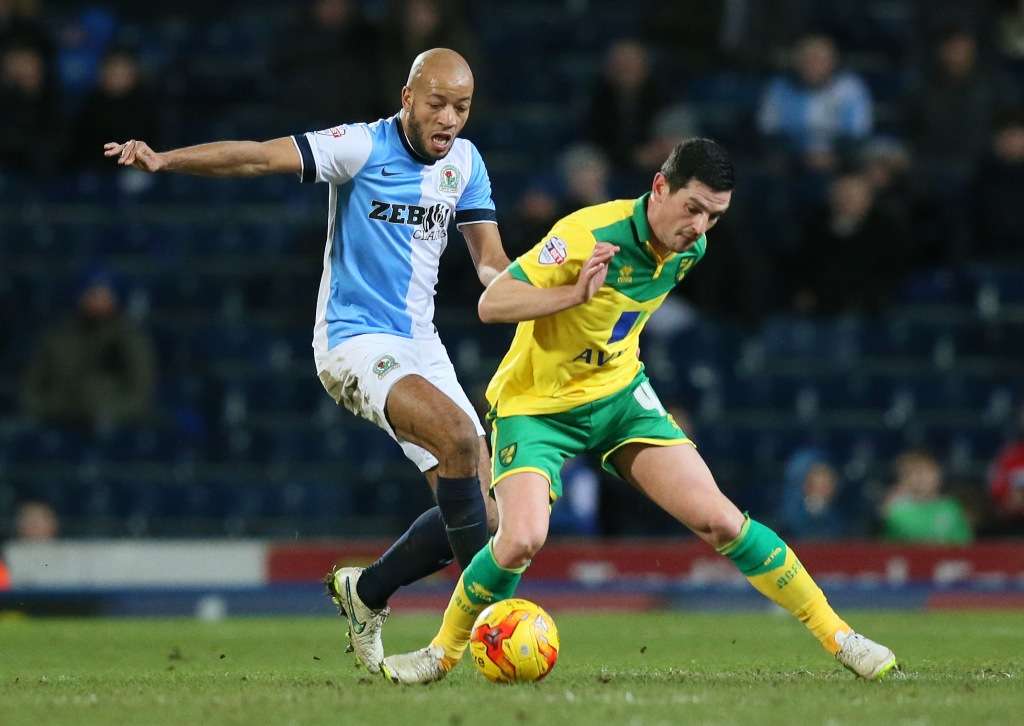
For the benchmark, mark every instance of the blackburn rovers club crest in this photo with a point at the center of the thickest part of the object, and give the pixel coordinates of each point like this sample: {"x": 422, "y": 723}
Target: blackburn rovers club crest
{"x": 506, "y": 455}
{"x": 449, "y": 181}
{"x": 384, "y": 365}
{"x": 684, "y": 267}
{"x": 554, "y": 252}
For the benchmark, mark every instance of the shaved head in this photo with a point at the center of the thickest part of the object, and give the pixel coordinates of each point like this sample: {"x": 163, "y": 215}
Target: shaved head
{"x": 435, "y": 101}
{"x": 439, "y": 66}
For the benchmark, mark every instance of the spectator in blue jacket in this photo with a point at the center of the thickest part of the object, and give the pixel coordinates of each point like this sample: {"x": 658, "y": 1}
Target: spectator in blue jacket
{"x": 818, "y": 107}
{"x": 809, "y": 508}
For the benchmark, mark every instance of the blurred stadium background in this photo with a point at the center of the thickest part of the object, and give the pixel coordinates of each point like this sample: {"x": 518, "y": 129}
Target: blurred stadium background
{"x": 849, "y": 357}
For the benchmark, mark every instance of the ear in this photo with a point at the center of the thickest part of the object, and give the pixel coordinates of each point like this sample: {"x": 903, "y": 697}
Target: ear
{"x": 407, "y": 98}
{"x": 659, "y": 187}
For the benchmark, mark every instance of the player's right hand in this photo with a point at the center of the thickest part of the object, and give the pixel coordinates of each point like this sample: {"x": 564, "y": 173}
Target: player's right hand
{"x": 134, "y": 153}
{"x": 594, "y": 271}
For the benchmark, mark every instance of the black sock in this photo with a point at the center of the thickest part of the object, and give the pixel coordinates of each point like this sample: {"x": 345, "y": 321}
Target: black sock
{"x": 421, "y": 551}
{"x": 464, "y": 514}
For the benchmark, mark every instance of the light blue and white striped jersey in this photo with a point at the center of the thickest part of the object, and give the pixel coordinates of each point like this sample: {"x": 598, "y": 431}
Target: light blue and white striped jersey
{"x": 387, "y": 225}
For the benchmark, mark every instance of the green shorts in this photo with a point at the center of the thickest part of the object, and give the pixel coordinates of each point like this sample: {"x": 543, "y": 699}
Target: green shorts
{"x": 542, "y": 443}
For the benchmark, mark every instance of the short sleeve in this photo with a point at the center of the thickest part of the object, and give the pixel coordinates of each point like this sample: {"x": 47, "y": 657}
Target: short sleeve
{"x": 333, "y": 155}
{"x": 557, "y": 259}
{"x": 475, "y": 204}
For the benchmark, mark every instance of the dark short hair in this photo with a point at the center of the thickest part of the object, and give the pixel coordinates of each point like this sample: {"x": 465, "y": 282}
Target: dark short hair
{"x": 701, "y": 159}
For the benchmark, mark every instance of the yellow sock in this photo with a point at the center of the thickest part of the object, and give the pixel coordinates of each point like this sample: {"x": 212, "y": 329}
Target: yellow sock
{"x": 775, "y": 572}
{"x": 488, "y": 582}
{"x": 791, "y": 587}
{"x": 457, "y": 623}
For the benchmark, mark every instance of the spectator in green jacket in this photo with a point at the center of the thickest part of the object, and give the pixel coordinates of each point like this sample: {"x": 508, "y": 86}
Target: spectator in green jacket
{"x": 916, "y": 511}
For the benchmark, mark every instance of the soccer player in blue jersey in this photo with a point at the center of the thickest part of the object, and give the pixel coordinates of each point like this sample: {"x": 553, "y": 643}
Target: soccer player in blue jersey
{"x": 395, "y": 184}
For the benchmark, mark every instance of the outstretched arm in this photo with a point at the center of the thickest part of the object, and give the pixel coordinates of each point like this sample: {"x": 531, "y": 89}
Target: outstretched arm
{"x": 508, "y": 300}
{"x": 484, "y": 242}
{"x": 220, "y": 158}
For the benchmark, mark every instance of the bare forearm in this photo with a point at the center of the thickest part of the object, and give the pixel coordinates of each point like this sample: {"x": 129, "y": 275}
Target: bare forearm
{"x": 489, "y": 272}
{"x": 508, "y": 300}
{"x": 511, "y": 301}
{"x": 220, "y": 158}
{"x": 484, "y": 242}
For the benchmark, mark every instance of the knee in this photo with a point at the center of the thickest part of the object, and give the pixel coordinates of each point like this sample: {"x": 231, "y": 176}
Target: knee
{"x": 459, "y": 442}
{"x": 719, "y": 522}
{"x": 724, "y": 526}
{"x": 519, "y": 545}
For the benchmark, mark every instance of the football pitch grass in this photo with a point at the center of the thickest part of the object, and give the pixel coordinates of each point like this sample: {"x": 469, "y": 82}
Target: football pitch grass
{"x": 657, "y": 668}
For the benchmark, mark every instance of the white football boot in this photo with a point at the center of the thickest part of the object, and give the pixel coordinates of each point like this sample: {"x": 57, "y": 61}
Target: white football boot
{"x": 421, "y": 666}
{"x": 364, "y": 624}
{"x": 863, "y": 656}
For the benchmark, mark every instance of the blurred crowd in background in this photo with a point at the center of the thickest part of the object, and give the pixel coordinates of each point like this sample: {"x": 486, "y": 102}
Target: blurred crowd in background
{"x": 848, "y": 355}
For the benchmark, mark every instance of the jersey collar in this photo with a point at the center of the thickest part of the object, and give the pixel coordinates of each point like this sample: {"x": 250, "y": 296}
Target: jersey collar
{"x": 400, "y": 130}
{"x": 641, "y": 227}
{"x": 642, "y": 230}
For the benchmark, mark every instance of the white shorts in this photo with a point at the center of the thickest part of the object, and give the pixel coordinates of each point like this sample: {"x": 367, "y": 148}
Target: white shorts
{"x": 359, "y": 373}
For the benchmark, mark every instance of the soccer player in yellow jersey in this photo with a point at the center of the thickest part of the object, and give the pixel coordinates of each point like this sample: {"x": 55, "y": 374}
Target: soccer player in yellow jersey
{"x": 572, "y": 381}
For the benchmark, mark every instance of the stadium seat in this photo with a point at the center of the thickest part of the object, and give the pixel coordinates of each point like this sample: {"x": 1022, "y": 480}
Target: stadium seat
{"x": 244, "y": 440}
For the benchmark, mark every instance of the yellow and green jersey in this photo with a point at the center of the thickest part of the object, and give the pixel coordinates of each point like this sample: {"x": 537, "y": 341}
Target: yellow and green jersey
{"x": 588, "y": 351}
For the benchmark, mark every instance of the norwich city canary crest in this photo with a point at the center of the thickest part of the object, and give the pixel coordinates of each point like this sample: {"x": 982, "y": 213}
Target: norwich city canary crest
{"x": 506, "y": 455}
